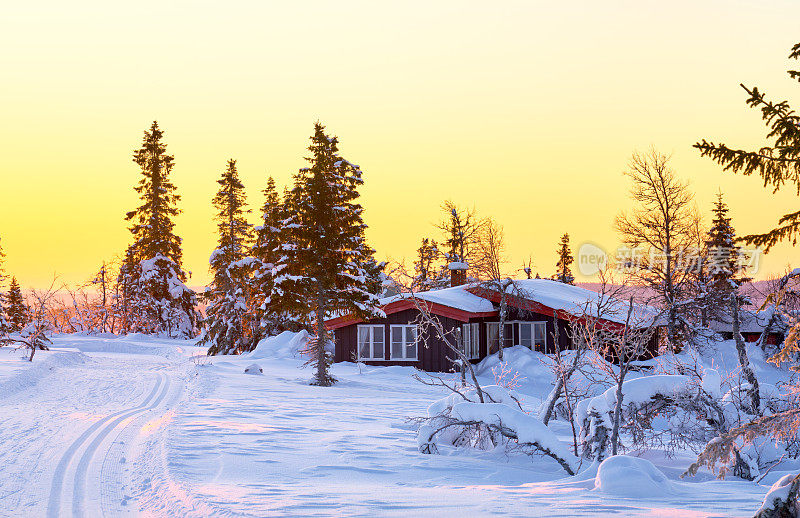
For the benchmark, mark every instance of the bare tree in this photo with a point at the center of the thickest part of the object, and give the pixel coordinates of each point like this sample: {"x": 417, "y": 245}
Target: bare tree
{"x": 503, "y": 422}
{"x": 34, "y": 335}
{"x": 460, "y": 227}
{"x": 781, "y": 425}
{"x": 489, "y": 263}
{"x": 664, "y": 222}
{"x": 618, "y": 346}
{"x": 103, "y": 281}
{"x": 744, "y": 361}
{"x": 563, "y": 367}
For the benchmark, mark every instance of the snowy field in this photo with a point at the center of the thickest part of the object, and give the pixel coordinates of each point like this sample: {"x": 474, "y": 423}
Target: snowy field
{"x": 108, "y": 426}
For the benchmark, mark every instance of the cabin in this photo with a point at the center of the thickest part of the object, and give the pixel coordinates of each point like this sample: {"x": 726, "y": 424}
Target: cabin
{"x": 470, "y": 311}
{"x": 751, "y": 325}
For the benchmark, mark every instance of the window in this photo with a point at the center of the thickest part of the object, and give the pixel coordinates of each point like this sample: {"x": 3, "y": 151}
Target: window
{"x": 533, "y": 335}
{"x": 493, "y": 336}
{"x": 470, "y": 340}
{"x": 404, "y": 342}
{"x": 370, "y": 342}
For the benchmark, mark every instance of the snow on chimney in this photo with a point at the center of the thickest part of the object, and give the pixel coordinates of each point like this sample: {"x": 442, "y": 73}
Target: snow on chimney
{"x": 458, "y": 273}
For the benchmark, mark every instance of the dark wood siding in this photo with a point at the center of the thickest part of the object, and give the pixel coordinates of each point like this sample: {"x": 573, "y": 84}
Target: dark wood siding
{"x": 432, "y": 354}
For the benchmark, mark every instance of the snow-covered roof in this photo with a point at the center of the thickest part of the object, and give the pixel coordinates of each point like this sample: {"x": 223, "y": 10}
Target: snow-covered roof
{"x": 579, "y": 301}
{"x": 552, "y": 294}
{"x": 457, "y": 297}
{"x": 749, "y": 322}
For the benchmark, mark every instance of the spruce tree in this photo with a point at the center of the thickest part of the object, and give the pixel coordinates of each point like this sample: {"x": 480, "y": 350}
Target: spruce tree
{"x": 267, "y": 252}
{"x": 5, "y": 326}
{"x": 565, "y": 260}
{"x": 16, "y": 310}
{"x": 426, "y": 275}
{"x": 778, "y": 164}
{"x": 327, "y": 266}
{"x": 158, "y": 301}
{"x": 228, "y": 323}
{"x": 722, "y": 266}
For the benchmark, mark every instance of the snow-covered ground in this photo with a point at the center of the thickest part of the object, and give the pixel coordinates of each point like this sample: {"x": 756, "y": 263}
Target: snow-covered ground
{"x": 109, "y": 426}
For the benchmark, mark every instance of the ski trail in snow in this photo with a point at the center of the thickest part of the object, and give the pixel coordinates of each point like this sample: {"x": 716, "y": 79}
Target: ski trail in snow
{"x": 54, "y": 502}
{"x": 114, "y": 488}
{"x": 81, "y": 472}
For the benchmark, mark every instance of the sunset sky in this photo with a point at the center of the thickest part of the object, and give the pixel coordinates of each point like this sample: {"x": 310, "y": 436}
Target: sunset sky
{"x": 527, "y": 110}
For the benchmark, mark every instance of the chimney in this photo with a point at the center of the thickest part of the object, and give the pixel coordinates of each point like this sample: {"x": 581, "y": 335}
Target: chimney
{"x": 458, "y": 273}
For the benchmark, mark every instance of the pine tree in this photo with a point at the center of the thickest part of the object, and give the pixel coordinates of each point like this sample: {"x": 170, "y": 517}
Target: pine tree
{"x": 229, "y": 326}
{"x": 777, "y": 164}
{"x": 157, "y": 300}
{"x": 5, "y": 326}
{"x": 722, "y": 271}
{"x": 565, "y": 260}
{"x": 327, "y": 266}
{"x": 267, "y": 252}
{"x": 16, "y": 310}
{"x": 426, "y": 275}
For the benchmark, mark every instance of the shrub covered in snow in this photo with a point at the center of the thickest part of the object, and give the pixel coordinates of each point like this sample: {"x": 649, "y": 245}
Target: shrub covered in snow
{"x": 630, "y": 476}
{"x": 594, "y": 415}
{"x": 254, "y": 368}
{"x": 285, "y": 345}
{"x": 782, "y": 499}
{"x": 486, "y": 418}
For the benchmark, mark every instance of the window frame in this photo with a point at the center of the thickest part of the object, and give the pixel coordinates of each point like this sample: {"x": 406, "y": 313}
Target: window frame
{"x": 372, "y": 328}
{"x": 533, "y": 324}
{"x": 472, "y": 347}
{"x": 507, "y": 337}
{"x": 405, "y": 344}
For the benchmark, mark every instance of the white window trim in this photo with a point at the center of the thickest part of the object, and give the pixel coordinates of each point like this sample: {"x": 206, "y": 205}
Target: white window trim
{"x": 473, "y": 353}
{"x": 405, "y": 344}
{"x": 505, "y": 336}
{"x": 373, "y": 328}
{"x": 532, "y": 324}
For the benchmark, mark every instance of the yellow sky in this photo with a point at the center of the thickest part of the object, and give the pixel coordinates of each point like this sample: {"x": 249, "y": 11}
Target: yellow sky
{"x": 527, "y": 110}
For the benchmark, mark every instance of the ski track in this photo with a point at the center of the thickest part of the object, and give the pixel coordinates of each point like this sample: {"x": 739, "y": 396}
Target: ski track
{"x": 106, "y": 426}
{"x": 130, "y": 431}
{"x": 81, "y": 472}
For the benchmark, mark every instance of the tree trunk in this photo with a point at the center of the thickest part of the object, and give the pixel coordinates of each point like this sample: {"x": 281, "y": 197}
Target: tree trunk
{"x": 502, "y": 325}
{"x": 563, "y": 376}
{"x": 462, "y": 367}
{"x": 744, "y": 361}
{"x": 323, "y": 379}
{"x": 617, "y": 413}
{"x": 623, "y": 371}
{"x": 552, "y": 398}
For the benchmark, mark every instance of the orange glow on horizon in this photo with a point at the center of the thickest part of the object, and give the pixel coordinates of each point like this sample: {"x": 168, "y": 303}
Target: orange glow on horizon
{"x": 527, "y": 110}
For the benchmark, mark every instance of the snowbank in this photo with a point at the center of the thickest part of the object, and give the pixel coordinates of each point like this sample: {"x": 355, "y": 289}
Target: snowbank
{"x": 285, "y": 345}
{"x": 622, "y": 475}
{"x": 780, "y": 498}
{"x": 532, "y": 364}
{"x": 44, "y": 362}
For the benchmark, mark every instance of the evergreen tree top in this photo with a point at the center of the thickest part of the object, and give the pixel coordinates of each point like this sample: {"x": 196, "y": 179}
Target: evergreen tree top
{"x": 778, "y": 164}
{"x": 233, "y": 227}
{"x": 327, "y": 230}
{"x": 565, "y": 260}
{"x": 2, "y": 270}
{"x": 153, "y": 226}
{"x": 721, "y": 232}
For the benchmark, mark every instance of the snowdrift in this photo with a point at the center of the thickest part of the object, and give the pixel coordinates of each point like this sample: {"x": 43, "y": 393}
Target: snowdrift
{"x": 44, "y": 362}
{"x": 622, "y": 475}
{"x": 283, "y": 346}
